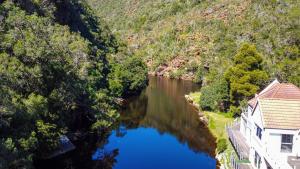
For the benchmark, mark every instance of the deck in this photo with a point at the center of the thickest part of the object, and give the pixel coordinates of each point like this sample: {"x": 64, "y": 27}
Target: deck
{"x": 242, "y": 149}
{"x": 238, "y": 141}
{"x": 238, "y": 165}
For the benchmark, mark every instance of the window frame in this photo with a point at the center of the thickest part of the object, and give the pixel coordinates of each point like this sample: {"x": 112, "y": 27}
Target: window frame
{"x": 286, "y": 143}
{"x": 258, "y": 132}
{"x": 257, "y": 160}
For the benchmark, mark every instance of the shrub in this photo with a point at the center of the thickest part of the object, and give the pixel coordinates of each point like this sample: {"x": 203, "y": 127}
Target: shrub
{"x": 176, "y": 74}
{"x": 221, "y": 145}
{"x": 199, "y": 75}
{"x": 235, "y": 111}
{"x": 128, "y": 77}
{"x": 215, "y": 96}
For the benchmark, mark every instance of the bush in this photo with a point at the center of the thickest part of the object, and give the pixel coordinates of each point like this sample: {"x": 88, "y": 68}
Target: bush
{"x": 235, "y": 111}
{"x": 215, "y": 96}
{"x": 221, "y": 145}
{"x": 199, "y": 75}
{"x": 176, "y": 74}
{"x": 128, "y": 78}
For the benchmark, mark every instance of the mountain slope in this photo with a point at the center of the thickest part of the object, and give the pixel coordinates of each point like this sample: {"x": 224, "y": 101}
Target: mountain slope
{"x": 179, "y": 38}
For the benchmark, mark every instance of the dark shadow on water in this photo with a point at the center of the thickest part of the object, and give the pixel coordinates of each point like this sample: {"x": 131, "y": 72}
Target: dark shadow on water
{"x": 83, "y": 157}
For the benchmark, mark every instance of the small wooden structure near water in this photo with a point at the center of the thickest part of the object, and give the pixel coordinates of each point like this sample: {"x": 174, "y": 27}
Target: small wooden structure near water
{"x": 65, "y": 146}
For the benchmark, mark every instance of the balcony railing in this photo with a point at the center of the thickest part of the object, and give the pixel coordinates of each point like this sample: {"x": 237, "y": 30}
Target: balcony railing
{"x": 239, "y": 164}
{"x": 238, "y": 141}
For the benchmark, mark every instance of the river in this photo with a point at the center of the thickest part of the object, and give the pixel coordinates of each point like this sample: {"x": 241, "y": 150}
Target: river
{"x": 157, "y": 130}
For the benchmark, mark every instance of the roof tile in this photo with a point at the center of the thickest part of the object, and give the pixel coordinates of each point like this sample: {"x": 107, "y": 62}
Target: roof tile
{"x": 277, "y": 90}
{"x": 280, "y": 113}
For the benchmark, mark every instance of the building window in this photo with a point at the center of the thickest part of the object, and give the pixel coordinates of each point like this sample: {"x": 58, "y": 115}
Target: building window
{"x": 258, "y": 132}
{"x": 286, "y": 143}
{"x": 257, "y": 160}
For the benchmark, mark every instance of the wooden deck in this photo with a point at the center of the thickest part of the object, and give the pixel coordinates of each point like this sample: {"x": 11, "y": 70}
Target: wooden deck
{"x": 235, "y": 164}
{"x": 242, "y": 149}
{"x": 245, "y": 166}
{"x": 238, "y": 141}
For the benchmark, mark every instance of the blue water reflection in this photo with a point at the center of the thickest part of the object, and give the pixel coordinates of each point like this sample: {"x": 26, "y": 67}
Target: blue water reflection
{"x": 146, "y": 148}
{"x": 159, "y": 130}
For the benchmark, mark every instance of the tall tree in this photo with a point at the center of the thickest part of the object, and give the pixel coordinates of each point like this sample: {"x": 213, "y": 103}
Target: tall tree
{"x": 246, "y": 76}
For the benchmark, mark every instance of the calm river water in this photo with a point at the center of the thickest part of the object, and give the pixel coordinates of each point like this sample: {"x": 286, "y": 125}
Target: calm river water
{"x": 157, "y": 130}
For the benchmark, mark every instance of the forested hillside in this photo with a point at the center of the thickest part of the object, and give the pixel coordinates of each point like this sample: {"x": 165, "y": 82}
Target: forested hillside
{"x": 198, "y": 38}
{"x": 58, "y": 75}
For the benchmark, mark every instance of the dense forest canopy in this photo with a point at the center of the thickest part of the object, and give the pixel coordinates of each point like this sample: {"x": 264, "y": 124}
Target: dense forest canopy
{"x": 179, "y": 38}
{"x": 60, "y": 70}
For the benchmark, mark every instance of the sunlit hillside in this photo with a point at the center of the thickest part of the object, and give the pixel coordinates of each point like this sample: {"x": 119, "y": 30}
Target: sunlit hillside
{"x": 179, "y": 38}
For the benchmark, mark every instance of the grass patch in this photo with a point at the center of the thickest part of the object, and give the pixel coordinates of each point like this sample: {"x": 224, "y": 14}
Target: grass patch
{"x": 195, "y": 96}
{"x": 221, "y": 145}
{"x": 243, "y": 161}
{"x": 217, "y": 123}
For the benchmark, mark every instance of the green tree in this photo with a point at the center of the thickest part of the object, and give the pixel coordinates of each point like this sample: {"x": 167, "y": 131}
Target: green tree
{"x": 128, "y": 77}
{"x": 246, "y": 76}
{"x": 215, "y": 96}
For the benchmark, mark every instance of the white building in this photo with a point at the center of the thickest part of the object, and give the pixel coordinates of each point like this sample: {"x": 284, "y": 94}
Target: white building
{"x": 271, "y": 127}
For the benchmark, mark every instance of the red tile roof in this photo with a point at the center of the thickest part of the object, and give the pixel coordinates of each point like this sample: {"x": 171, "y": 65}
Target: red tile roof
{"x": 277, "y": 90}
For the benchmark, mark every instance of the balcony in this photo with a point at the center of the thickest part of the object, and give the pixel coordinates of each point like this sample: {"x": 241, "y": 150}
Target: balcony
{"x": 242, "y": 149}
{"x": 238, "y": 141}
{"x": 239, "y": 164}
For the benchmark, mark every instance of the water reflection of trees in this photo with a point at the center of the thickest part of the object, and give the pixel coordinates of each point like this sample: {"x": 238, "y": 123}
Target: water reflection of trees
{"x": 186, "y": 128}
{"x": 135, "y": 111}
{"x": 163, "y": 107}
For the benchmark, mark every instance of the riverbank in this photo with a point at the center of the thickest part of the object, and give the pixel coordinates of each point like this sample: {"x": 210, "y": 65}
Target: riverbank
{"x": 194, "y": 99}
{"x": 216, "y": 122}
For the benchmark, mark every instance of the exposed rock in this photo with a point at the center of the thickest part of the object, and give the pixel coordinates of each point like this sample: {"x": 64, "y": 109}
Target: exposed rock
{"x": 188, "y": 76}
{"x": 161, "y": 70}
{"x": 177, "y": 62}
{"x": 203, "y": 119}
{"x": 120, "y": 101}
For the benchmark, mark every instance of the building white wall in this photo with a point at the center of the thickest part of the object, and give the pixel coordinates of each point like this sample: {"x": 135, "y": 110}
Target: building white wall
{"x": 273, "y": 147}
{"x": 243, "y": 125}
{"x": 269, "y": 146}
{"x": 246, "y": 124}
{"x": 256, "y": 144}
